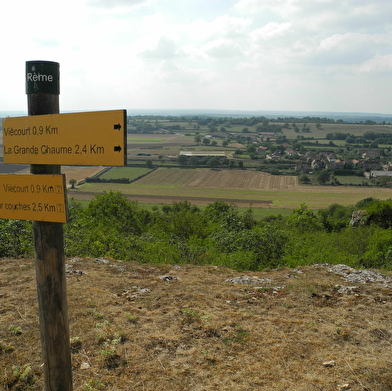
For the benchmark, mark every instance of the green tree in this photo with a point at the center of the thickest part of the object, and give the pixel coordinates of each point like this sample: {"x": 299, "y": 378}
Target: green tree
{"x": 197, "y": 139}
{"x": 182, "y": 160}
{"x": 72, "y": 182}
{"x": 251, "y": 148}
{"x": 379, "y": 213}
{"x": 304, "y": 220}
{"x": 206, "y": 141}
{"x": 213, "y": 162}
{"x": 149, "y": 163}
{"x": 16, "y": 238}
{"x": 323, "y": 177}
{"x": 336, "y": 217}
{"x": 304, "y": 179}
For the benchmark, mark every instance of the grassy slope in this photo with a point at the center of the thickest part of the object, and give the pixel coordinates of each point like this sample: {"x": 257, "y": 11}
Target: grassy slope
{"x": 202, "y": 332}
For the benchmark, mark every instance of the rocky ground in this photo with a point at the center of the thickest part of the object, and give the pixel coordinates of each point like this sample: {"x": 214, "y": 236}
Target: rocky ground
{"x": 184, "y": 327}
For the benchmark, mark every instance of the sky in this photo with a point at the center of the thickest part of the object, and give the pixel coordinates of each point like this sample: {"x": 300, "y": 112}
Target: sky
{"x": 286, "y": 55}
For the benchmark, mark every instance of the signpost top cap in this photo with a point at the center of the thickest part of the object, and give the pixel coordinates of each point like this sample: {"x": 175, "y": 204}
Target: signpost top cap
{"x": 42, "y": 77}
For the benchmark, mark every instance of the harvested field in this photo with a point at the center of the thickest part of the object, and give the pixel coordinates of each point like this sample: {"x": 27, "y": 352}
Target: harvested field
{"x": 169, "y": 177}
{"x": 229, "y": 179}
{"x": 241, "y": 180}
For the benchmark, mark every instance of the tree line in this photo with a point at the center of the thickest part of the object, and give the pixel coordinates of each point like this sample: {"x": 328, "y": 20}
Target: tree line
{"x": 219, "y": 234}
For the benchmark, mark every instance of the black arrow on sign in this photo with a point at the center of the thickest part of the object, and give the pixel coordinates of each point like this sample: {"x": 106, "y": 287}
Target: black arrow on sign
{"x": 117, "y": 126}
{"x": 117, "y": 148}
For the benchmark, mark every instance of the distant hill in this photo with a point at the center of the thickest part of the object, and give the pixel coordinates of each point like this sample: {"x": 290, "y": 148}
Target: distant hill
{"x": 345, "y": 116}
{"x": 4, "y": 114}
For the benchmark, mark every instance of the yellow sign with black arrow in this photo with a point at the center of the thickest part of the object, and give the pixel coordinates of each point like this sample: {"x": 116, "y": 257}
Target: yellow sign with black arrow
{"x": 88, "y": 139}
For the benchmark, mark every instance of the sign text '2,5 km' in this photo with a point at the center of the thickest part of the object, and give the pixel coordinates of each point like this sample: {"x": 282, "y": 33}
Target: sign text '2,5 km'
{"x": 91, "y": 138}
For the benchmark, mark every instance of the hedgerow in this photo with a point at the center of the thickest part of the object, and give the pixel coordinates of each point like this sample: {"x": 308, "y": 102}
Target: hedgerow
{"x": 219, "y": 234}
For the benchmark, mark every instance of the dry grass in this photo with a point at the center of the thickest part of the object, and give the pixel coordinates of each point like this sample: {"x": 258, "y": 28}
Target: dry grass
{"x": 138, "y": 332}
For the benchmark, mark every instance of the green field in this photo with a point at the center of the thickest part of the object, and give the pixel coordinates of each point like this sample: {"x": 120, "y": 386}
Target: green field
{"x": 147, "y": 140}
{"x": 314, "y": 196}
{"x": 125, "y": 172}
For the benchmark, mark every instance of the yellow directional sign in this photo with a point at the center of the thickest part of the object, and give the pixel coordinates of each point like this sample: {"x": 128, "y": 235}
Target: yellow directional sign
{"x": 33, "y": 197}
{"x": 88, "y": 139}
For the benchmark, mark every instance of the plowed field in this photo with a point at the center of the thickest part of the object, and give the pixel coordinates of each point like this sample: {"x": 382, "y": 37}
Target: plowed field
{"x": 228, "y": 179}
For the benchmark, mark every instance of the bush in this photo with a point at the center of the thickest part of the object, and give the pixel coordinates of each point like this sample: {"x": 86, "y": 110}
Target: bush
{"x": 16, "y": 238}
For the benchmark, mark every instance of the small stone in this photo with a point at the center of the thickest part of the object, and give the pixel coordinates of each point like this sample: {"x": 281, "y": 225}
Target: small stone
{"x": 85, "y": 365}
{"x": 170, "y": 278}
{"x": 248, "y": 280}
{"x": 102, "y": 261}
{"x": 343, "y": 387}
{"x": 329, "y": 364}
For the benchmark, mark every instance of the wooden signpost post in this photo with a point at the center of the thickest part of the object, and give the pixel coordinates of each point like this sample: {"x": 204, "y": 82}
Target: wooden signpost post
{"x": 46, "y": 139}
{"x": 43, "y": 90}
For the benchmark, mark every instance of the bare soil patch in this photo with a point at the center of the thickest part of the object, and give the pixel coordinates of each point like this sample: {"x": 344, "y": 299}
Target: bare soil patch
{"x": 233, "y": 179}
{"x": 145, "y": 327}
{"x": 229, "y": 179}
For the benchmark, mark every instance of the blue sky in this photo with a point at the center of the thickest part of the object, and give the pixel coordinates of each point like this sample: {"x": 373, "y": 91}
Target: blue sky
{"x": 309, "y": 55}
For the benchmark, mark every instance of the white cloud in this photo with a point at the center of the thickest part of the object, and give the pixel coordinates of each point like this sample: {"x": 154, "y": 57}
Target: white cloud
{"x": 351, "y": 48}
{"x": 164, "y": 50}
{"x": 110, "y": 4}
{"x": 223, "y": 26}
{"x": 160, "y": 52}
{"x": 271, "y": 30}
{"x": 377, "y": 64}
{"x": 222, "y": 49}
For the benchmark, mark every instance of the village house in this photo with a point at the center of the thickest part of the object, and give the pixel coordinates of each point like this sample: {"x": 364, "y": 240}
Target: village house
{"x": 369, "y": 165}
{"x": 388, "y": 166}
{"x": 378, "y": 174}
{"x": 317, "y": 164}
{"x": 291, "y": 152}
{"x": 302, "y": 167}
{"x": 355, "y": 163}
{"x": 335, "y": 165}
{"x": 311, "y": 155}
{"x": 369, "y": 153}
{"x": 221, "y": 135}
{"x": 261, "y": 151}
{"x": 331, "y": 158}
{"x": 267, "y": 134}
{"x": 274, "y": 156}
